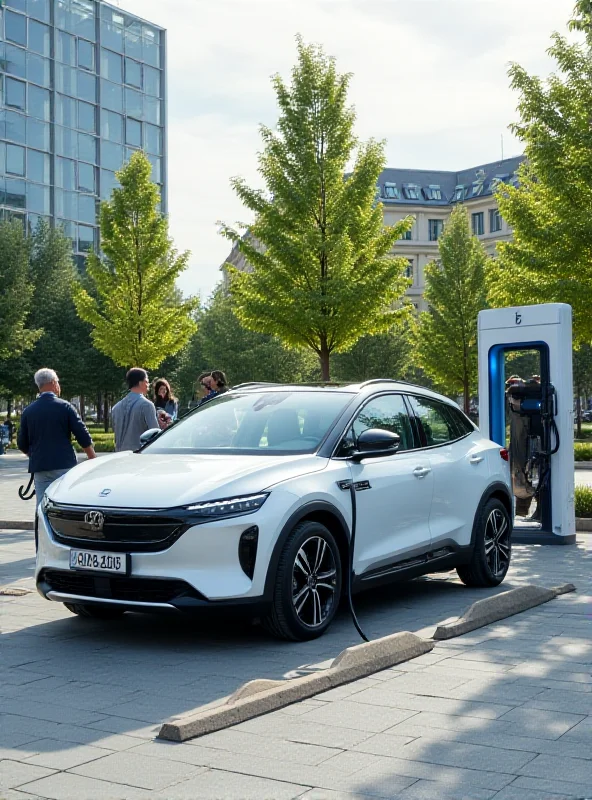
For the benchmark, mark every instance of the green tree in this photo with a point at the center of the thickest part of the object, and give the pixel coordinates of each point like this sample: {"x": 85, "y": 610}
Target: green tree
{"x": 385, "y": 355}
{"x": 446, "y": 334}
{"x": 221, "y": 342}
{"x": 582, "y": 378}
{"x": 16, "y": 292}
{"x": 136, "y": 313}
{"x": 321, "y": 276}
{"x": 550, "y": 257}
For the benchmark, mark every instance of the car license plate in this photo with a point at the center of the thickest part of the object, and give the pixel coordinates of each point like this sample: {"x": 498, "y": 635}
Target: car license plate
{"x": 99, "y": 562}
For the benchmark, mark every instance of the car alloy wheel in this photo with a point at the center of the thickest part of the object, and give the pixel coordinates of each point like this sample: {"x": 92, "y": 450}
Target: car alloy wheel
{"x": 314, "y": 582}
{"x": 497, "y": 542}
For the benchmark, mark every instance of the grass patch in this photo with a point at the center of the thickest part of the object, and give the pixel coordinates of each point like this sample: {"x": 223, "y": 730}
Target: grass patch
{"x": 584, "y": 501}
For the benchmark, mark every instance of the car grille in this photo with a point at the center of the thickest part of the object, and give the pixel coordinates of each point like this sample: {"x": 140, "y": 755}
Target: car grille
{"x": 121, "y": 531}
{"x": 138, "y": 590}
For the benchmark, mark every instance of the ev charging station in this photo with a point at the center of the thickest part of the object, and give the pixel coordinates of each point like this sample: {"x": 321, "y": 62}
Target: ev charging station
{"x": 542, "y": 408}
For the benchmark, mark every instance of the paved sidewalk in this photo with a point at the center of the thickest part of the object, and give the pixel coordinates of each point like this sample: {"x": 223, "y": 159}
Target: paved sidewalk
{"x": 504, "y": 712}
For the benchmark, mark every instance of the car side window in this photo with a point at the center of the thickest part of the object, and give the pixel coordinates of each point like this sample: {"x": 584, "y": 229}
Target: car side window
{"x": 388, "y": 413}
{"x": 435, "y": 420}
{"x": 463, "y": 424}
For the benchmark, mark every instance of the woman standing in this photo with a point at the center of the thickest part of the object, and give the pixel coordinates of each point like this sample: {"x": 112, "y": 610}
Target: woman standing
{"x": 165, "y": 401}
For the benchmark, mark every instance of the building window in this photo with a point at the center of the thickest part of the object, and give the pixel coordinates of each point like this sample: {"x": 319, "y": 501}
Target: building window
{"x": 38, "y": 166}
{"x": 435, "y": 228}
{"x": 15, "y": 127}
{"x": 459, "y": 193}
{"x": 86, "y": 55}
{"x": 133, "y": 73}
{"x": 15, "y": 94}
{"x": 411, "y": 191}
{"x": 87, "y": 118}
{"x": 478, "y": 224}
{"x": 409, "y": 268}
{"x": 86, "y": 178}
{"x": 39, "y": 102}
{"x": 390, "y": 191}
{"x": 152, "y": 139}
{"x": 151, "y": 81}
{"x": 495, "y": 220}
{"x": 407, "y": 236}
{"x": 14, "y": 61}
{"x": 39, "y": 38}
{"x": 15, "y": 28}
{"x": 112, "y": 126}
{"x": 133, "y": 132}
{"x": 15, "y": 160}
{"x": 38, "y": 69}
{"x": 432, "y": 192}
{"x": 86, "y": 87}
{"x": 38, "y": 134}
{"x": 111, "y": 66}
{"x": 111, "y": 96}
{"x": 38, "y": 9}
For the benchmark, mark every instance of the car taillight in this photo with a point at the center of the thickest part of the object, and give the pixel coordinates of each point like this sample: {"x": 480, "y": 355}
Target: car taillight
{"x": 504, "y": 454}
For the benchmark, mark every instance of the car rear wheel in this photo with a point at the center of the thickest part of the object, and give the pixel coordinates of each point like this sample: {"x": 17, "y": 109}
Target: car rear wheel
{"x": 95, "y": 612}
{"x": 307, "y": 584}
{"x": 492, "y": 552}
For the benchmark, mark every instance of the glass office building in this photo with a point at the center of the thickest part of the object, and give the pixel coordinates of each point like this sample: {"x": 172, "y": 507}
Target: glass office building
{"x": 82, "y": 85}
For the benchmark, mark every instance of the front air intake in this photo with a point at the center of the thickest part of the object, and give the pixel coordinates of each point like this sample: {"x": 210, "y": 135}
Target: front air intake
{"x": 247, "y": 550}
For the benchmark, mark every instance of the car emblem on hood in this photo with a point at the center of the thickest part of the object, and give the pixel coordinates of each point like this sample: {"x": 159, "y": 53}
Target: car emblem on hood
{"x": 105, "y": 492}
{"x": 95, "y": 520}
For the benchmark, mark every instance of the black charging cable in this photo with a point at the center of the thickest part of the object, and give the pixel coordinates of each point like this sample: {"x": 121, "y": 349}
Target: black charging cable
{"x": 350, "y": 572}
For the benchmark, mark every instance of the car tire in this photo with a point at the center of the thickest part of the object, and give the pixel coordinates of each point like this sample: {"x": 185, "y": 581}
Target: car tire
{"x": 95, "y": 612}
{"x": 307, "y": 586}
{"x": 492, "y": 550}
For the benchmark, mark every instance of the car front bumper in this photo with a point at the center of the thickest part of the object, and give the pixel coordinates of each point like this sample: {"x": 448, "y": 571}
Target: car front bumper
{"x": 200, "y": 570}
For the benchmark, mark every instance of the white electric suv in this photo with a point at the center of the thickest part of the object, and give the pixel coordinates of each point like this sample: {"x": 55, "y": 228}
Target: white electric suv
{"x": 249, "y": 502}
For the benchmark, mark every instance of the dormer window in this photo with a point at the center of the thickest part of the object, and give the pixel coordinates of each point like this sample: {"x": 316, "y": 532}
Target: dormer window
{"x": 432, "y": 192}
{"x": 411, "y": 191}
{"x": 459, "y": 193}
{"x": 390, "y": 191}
{"x": 495, "y": 182}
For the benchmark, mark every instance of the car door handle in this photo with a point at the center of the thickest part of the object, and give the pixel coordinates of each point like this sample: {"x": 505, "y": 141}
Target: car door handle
{"x": 421, "y": 472}
{"x": 475, "y": 459}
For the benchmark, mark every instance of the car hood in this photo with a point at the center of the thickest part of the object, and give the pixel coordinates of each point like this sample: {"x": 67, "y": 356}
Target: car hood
{"x": 141, "y": 480}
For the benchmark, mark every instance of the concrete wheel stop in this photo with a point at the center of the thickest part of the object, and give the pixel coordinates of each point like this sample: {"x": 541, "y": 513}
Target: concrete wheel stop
{"x": 499, "y": 606}
{"x": 261, "y": 696}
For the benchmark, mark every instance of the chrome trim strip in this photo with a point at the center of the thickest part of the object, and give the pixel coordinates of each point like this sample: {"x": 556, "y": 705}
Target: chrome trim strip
{"x": 62, "y": 597}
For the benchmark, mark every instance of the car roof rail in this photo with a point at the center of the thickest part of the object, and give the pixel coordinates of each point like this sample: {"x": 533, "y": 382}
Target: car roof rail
{"x": 391, "y": 380}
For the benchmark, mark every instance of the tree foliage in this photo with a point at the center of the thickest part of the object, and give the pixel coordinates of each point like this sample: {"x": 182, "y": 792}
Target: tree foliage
{"x": 221, "y": 342}
{"x": 446, "y": 334}
{"x": 136, "y": 313}
{"x": 384, "y": 355}
{"x": 16, "y": 292}
{"x": 550, "y": 257}
{"x": 321, "y": 276}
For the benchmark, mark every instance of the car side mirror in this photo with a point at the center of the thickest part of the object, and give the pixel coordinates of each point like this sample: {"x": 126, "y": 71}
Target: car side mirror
{"x": 149, "y": 435}
{"x": 375, "y": 442}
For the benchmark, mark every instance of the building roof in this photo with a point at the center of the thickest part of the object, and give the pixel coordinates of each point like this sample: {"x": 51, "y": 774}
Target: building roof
{"x": 441, "y": 188}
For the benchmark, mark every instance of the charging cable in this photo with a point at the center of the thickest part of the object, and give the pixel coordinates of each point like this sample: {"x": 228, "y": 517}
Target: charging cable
{"x": 350, "y": 572}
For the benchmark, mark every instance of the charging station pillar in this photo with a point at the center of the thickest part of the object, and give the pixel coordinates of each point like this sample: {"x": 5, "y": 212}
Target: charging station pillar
{"x": 548, "y": 329}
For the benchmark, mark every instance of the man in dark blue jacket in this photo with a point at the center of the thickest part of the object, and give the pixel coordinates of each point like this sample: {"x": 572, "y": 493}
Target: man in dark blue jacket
{"x": 45, "y": 433}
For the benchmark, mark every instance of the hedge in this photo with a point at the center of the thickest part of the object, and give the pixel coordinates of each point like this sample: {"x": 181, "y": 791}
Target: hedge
{"x": 583, "y": 501}
{"x": 582, "y": 451}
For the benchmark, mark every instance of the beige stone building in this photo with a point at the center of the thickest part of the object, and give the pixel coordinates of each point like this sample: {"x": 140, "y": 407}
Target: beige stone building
{"x": 430, "y": 196}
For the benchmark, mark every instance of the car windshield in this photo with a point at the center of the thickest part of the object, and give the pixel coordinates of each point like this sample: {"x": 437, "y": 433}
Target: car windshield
{"x": 271, "y": 422}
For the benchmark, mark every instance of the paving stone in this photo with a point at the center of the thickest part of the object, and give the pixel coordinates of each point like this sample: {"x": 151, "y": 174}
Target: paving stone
{"x": 582, "y": 732}
{"x": 330, "y": 794}
{"x": 468, "y": 756}
{"x": 513, "y": 792}
{"x": 14, "y": 773}
{"x": 241, "y": 742}
{"x": 540, "y": 724}
{"x": 557, "y": 700}
{"x": 54, "y": 754}
{"x": 576, "y": 770}
{"x": 136, "y": 770}
{"x": 48, "y": 712}
{"x": 543, "y": 785}
{"x": 346, "y": 714}
{"x": 187, "y": 753}
{"x": 388, "y": 697}
{"x": 66, "y": 786}
{"x": 296, "y": 730}
{"x": 434, "y": 790}
{"x": 218, "y": 785}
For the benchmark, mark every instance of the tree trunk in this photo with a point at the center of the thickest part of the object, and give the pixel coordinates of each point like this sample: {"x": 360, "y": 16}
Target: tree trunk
{"x": 9, "y": 407}
{"x": 578, "y": 413}
{"x": 324, "y": 356}
{"x": 99, "y": 408}
{"x": 466, "y": 397}
{"x": 106, "y": 412}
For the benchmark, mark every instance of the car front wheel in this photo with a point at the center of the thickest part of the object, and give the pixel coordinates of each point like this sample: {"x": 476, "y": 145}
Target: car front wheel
{"x": 307, "y": 584}
{"x": 492, "y": 550}
{"x": 95, "y": 612}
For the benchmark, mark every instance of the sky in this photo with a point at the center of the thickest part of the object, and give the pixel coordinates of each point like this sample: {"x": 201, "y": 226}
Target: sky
{"x": 429, "y": 77}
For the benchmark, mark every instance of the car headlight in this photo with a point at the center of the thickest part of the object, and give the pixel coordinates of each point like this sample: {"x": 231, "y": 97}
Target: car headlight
{"x": 230, "y": 507}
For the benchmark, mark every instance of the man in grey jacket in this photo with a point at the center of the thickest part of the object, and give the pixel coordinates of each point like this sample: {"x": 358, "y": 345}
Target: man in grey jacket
{"x": 135, "y": 414}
